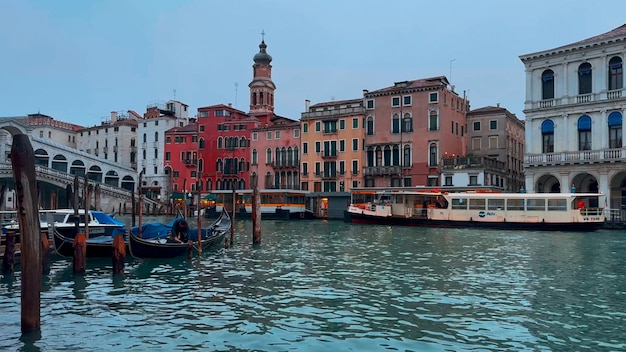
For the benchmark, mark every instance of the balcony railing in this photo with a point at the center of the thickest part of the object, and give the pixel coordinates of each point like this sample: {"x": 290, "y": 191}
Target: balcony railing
{"x": 579, "y": 99}
{"x": 381, "y": 170}
{"x": 576, "y": 157}
{"x": 472, "y": 162}
{"x": 328, "y": 154}
{"x": 285, "y": 164}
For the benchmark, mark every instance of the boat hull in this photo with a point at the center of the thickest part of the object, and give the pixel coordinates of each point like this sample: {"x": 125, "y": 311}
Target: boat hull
{"x": 356, "y": 218}
{"x": 95, "y": 246}
{"x": 142, "y": 248}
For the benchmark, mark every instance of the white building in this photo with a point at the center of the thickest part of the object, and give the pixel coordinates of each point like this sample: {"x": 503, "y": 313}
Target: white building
{"x": 575, "y": 103}
{"x": 159, "y": 117}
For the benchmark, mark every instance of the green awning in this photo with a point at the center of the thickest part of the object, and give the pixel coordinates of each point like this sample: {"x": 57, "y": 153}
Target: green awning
{"x": 210, "y": 196}
{"x": 177, "y": 195}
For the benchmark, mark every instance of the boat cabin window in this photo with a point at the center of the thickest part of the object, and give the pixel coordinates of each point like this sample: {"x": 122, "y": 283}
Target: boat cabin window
{"x": 495, "y": 204}
{"x": 459, "y": 203}
{"x": 477, "y": 204}
{"x": 514, "y": 204}
{"x": 536, "y": 204}
{"x": 557, "y": 205}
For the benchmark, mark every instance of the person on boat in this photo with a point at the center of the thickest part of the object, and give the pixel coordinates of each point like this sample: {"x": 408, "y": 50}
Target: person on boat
{"x": 180, "y": 231}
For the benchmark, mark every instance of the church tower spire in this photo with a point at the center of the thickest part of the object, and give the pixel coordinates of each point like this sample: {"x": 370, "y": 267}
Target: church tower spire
{"x": 262, "y": 88}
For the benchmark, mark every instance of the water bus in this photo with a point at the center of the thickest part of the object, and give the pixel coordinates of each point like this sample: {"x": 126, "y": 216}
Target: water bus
{"x": 278, "y": 204}
{"x": 486, "y": 209}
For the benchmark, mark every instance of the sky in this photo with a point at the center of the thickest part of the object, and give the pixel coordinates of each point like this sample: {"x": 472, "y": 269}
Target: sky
{"x": 79, "y": 60}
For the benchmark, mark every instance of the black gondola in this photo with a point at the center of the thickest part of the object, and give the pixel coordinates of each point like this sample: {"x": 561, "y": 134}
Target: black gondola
{"x": 167, "y": 247}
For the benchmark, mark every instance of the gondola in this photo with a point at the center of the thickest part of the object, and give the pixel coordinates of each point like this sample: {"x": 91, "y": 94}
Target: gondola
{"x": 167, "y": 245}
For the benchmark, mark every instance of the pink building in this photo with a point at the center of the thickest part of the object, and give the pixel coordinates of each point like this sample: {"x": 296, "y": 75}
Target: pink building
{"x": 409, "y": 128}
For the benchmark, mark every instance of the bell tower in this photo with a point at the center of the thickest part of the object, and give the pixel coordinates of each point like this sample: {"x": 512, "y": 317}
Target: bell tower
{"x": 262, "y": 88}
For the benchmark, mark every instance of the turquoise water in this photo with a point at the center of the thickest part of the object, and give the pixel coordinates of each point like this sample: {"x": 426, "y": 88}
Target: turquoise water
{"x": 333, "y": 286}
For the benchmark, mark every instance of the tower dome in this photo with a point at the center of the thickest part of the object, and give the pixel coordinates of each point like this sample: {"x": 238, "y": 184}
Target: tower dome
{"x": 262, "y": 57}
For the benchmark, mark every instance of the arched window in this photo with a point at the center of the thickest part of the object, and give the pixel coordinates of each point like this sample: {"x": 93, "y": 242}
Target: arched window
{"x": 547, "y": 136}
{"x": 201, "y": 143}
{"x": 432, "y": 155}
{"x": 387, "y": 156}
{"x": 615, "y": 73}
{"x": 243, "y": 142}
{"x": 615, "y": 130}
{"x": 277, "y": 157}
{"x": 395, "y": 156}
{"x": 156, "y": 136}
{"x": 584, "y": 133}
{"x": 407, "y": 123}
{"x": 395, "y": 123}
{"x": 369, "y": 126}
{"x": 219, "y": 143}
{"x": 547, "y": 85}
{"x": 144, "y": 138}
{"x": 584, "y": 78}
{"x": 268, "y": 156}
{"x": 370, "y": 157}
{"x": 406, "y": 158}
{"x": 255, "y": 157}
{"x": 433, "y": 120}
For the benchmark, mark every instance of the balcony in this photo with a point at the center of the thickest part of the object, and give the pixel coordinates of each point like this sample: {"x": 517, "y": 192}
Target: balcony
{"x": 191, "y": 162}
{"x": 472, "y": 162}
{"x": 598, "y": 156}
{"x": 615, "y": 94}
{"x": 381, "y": 170}
{"x": 329, "y": 175}
{"x": 330, "y": 154}
{"x": 288, "y": 164}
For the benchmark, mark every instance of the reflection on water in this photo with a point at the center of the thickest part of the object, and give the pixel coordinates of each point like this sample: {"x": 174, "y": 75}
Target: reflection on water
{"x": 328, "y": 285}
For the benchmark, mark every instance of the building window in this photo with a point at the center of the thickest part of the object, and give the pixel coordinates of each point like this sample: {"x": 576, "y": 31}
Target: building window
{"x": 448, "y": 181}
{"x": 433, "y": 181}
{"x": 305, "y": 128}
{"x": 584, "y": 133}
{"x": 395, "y": 102}
{"x": 355, "y": 167}
{"x": 433, "y": 97}
{"x": 255, "y": 136}
{"x": 395, "y": 123}
{"x": 547, "y": 85}
{"x": 493, "y": 124}
{"x": 370, "y": 126}
{"x": 255, "y": 157}
{"x": 355, "y": 144}
{"x": 547, "y": 136}
{"x": 473, "y": 180}
{"x": 296, "y": 133}
{"x": 369, "y": 104}
{"x": 476, "y": 143}
{"x": 406, "y": 161}
{"x": 269, "y": 135}
{"x": 615, "y": 130}
{"x": 355, "y": 123}
{"x": 342, "y": 145}
{"x": 305, "y": 168}
{"x": 493, "y": 142}
{"x": 407, "y": 123}
{"x": 277, "y": 135}
{"x": 342, "y": 124}
{"x": 305, "y": 148}
{"x": 318, "y": 126}
{"x": 584, "y": 78}
{"x": 406, "y": 100}
{"x": 433, "y": 121}
{"x": 318, "y": 147}
{"x": 268, "y": 156}
{"x": 477, "y": 126}
{"x": 432, "y": 155}
{"x": 615, "y": 73}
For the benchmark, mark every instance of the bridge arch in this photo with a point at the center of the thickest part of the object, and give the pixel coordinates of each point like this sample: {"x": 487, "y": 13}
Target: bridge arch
{"x": 59, "y": 162}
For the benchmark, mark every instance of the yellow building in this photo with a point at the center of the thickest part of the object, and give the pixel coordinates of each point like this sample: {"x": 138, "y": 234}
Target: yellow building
{"x": 332, "y": 142}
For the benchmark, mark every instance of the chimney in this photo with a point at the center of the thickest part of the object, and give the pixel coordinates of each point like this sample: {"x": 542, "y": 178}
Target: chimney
{"x": 113, "y": 116}
{"x": 498, "y": 105}
{"x": 230, "y": 105}
{"x": 365, "y": 91}
{"x": 307, "y": 105}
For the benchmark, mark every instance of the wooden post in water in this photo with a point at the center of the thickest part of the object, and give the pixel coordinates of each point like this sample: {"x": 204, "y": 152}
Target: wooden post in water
{"x": 23, "y": 162}
{"x": 233, "y": 215}
{"x": 199, "y": 223}
{"x": 119, "y": 254}
{"x": 256, "y": 211}
{"x": 140, "y": 203}
{"x": 45, "y": 253}
{"x": 8, "y": 261}
{"x": 80, "y": 240}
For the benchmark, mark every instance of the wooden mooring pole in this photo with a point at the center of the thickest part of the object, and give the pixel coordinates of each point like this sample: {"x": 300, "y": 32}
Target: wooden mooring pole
{"x": 256, "y": 212}
{"x": 23, "y": 162}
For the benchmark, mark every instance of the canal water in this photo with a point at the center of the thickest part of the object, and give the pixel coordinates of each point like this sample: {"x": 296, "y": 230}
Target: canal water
{"x": 332, "y": 286}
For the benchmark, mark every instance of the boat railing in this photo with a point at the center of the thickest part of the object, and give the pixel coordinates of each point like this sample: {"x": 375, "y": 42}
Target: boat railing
{"x": 591, "y": 211}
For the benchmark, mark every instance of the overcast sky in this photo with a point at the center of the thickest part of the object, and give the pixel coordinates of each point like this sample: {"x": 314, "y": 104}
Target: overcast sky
{"x": 78, "y": 60}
